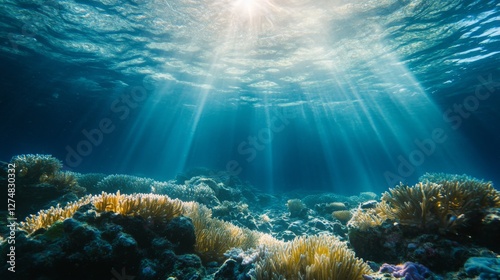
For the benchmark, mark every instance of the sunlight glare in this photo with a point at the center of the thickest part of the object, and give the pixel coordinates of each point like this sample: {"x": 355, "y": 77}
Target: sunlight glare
{"x": 247, "y": 7}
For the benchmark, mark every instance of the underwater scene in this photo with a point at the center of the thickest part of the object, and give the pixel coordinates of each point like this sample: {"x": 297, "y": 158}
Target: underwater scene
{"x": 250, "y": 139}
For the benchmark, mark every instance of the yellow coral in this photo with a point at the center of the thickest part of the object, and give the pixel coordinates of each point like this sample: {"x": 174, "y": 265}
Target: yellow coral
{"x": 46, "y": 218}
{"x": 444, "y": 206}
{"x": 145, "y": 205}
{"x": 342, "y": 215}
{"x": 214, "y": 237}
{"x": 364, "y": 220}
{"x": 337, "y": 206}
{"x": 412, "y": 205}
{"x": 314, "y": 257}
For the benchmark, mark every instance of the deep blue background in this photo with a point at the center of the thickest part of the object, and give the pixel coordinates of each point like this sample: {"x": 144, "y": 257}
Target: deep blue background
{"x": 34, "y": 121}
{"x": 66, "y": 66}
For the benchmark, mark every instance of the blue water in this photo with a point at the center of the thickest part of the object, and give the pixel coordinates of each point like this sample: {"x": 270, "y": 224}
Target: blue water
{"x": 342, "y": 96}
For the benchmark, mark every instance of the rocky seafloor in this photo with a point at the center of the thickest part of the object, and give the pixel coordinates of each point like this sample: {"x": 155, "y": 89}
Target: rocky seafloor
{"x": 98, "y": 226}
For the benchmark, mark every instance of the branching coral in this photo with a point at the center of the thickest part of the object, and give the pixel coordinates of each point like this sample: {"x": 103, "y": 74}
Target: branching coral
{"x": 445, "y": 177}
{"x": 30, "y": 168}
{"x": 89, "y": 181}
{"x": 214, "y": 237}
{"x": 315, "y": 257}
{"x": 413, "y": 205}
{"x": 35, "y": 169}
{"x": 145, "y": 205}
{"x": 365, "y": 219}
{"x": 460, "y": 201}
{"x": 46, "y": 218}
{"x": 444, "y": 207}
{"x": 200, "y": 193}
{"x": 125, "y": 184}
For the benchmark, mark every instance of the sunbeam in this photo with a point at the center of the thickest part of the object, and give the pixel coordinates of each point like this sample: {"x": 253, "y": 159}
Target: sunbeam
{"x": 157, "y": 139}
{"x": 349, "y": 82}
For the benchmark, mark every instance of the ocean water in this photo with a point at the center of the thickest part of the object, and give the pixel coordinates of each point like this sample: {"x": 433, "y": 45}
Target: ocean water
{"x": 244, "y": 139}
{"x": 339, "y": 96}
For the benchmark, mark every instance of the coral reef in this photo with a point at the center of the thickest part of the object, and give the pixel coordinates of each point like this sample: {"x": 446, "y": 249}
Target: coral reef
{"x": 445, "y": 177}
{"x": 214, "y": 226}
{"x": 363, "y": 220}
{"x": 146, "y": 205}
{"x": 424, "y": 222}
{"x": 93, "y": 245}
{"x": 63, "y": 181}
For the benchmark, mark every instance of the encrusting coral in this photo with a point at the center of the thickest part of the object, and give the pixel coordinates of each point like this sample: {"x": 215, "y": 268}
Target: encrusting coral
{"x": 314, "y": 257}
{"x": 324, "y": 255}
